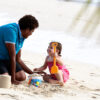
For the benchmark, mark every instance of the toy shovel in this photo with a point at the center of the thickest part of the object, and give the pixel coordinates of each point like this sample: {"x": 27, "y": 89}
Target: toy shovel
{"x": 54, "y": 68}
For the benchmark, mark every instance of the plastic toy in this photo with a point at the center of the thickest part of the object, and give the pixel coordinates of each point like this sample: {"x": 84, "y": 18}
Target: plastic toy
{"x": 34, "y": 80}
{"x": 54, "y": 68}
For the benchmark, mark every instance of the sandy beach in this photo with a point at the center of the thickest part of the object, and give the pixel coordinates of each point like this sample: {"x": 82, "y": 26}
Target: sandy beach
{"x": 83, "y": 83}
{"x": 54, "y": 15}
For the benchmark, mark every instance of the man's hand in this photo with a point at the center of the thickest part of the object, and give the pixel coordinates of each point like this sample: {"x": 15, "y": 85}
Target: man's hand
{"x": 15, "y": 82}
{"x": 36, "y": 69}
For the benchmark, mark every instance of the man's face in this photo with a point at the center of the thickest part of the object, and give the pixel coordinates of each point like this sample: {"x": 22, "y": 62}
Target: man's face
{"x": 27, "y": 32}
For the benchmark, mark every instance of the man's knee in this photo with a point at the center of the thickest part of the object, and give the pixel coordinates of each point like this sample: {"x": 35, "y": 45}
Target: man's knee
{"x": 21, "y": 76}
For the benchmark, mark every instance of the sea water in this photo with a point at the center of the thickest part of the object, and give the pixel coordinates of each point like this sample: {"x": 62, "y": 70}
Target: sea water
{"x": 76, "y": 48}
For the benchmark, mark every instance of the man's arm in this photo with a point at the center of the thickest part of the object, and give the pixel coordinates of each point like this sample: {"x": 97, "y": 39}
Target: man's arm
{"x": 12, "y": 56}
{"x": 42, "y": 67}
{"x": 25, "y": 68}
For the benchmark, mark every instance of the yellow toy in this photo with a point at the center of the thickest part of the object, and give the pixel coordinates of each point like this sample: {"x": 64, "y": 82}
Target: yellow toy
{"x": 54, "y": 68}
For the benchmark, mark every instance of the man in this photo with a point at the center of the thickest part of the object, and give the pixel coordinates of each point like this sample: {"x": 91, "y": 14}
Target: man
{"x": 12, "y": 37}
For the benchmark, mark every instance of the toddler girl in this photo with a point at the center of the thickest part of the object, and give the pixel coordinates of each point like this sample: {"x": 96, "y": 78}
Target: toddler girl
{"x": 63, "y": 74}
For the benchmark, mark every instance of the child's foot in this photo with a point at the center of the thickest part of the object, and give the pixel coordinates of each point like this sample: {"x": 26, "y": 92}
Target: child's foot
{"x": 61, "y": 83}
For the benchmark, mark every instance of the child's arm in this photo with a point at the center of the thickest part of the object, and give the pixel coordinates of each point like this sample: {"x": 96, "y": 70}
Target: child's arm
{"x": 42, "y": 67}
{"x": 59, "y": 60}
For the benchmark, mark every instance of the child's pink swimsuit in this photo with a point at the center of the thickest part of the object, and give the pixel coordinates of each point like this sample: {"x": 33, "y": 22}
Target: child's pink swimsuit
{"x": 62, "y": 68}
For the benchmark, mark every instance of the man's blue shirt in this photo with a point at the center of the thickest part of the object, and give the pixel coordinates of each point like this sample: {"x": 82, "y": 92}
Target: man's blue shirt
{"x": 10, "y": 33}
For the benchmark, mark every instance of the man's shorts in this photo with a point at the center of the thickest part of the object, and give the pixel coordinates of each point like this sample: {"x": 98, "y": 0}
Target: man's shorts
{"x": 6, "y": 68}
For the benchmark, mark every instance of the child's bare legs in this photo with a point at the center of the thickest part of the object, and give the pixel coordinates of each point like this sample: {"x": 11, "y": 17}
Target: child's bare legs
{"x": 59, "y": 77}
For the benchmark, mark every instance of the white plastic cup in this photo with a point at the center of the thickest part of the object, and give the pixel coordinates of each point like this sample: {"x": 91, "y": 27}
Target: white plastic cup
{"x": 5, "y": 81}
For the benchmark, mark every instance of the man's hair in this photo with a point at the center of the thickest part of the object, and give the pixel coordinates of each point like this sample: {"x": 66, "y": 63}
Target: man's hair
{"x": 28, "y": 22}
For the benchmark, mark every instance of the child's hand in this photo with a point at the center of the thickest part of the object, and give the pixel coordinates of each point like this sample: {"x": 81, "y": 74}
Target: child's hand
{"x": 36, "y": 69}
{"x": 54, "y": 54}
